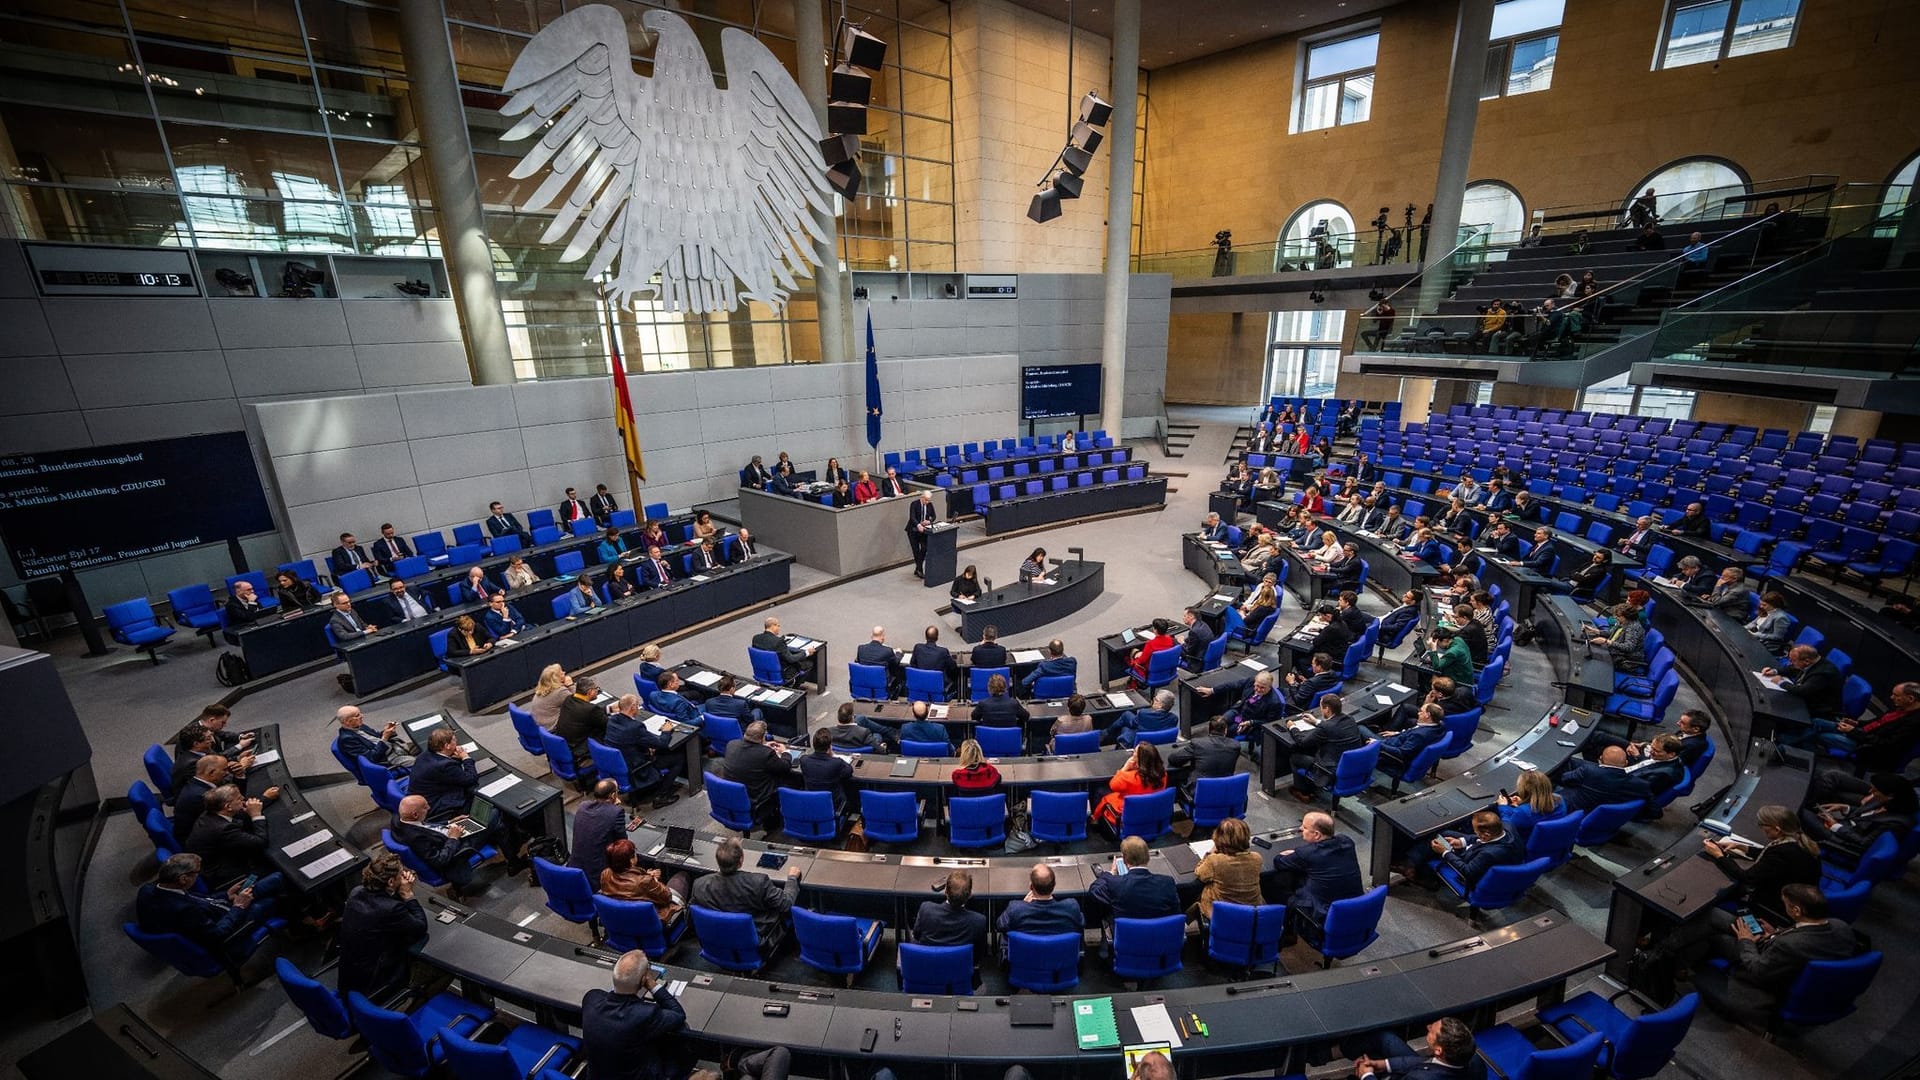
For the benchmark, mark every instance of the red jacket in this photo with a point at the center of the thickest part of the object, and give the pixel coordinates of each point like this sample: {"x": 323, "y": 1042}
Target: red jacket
{"x": 1127, "y": 781}
{"x": 865, "y": 491}
{"x": 1153, "y": 645}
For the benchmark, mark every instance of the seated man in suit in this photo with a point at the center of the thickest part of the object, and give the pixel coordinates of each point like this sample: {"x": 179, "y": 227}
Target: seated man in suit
{"x": 782, "y": 483}
{"x": 747, "y": 892}
{"x": 581, "y": 719}
{"x": 1193, "y": 649}
{"x": 920, "y": 729}
{"x": 405, "y": 607}
{"x": 503, "y": 619}
{"x": 209, "y": 772}
{"x": 168, "y": 905}
{"x": 1637, "y": 543}
{"x": 1731, "y": 595}
{"x": 1056, "y": 662}
{"x": 601, "y": 505}
{"x": 891, "y": 486}
{"x": 707, "y": 557}
{"x": 1135, "y": 892}
{"x": 1660, "y": 765}
{"x": 1399, "y": 748}
{"x": 725, "y": 702}
{"x": 1540, "y": 559}
{"x": 1209, "y": 755}
{"x": 1040, "y": 912}
{"x": 1813, "y": 679}
{"x": 1450, "y": 1054}
{"x": 744, "y": 546}
{"x": 1695, "y": 582}
{"x": 1325, "y": 675}
{"x": 389, "y": 549}
{"x": 999, "y": 708}
{"x": 930, "y": 655}
{"x": 1763, "y": 967}
{"x": 650, "y": 768}
{"x": 1881, "y": 744}
{"x": 1501, "y": 542}
{"x": 1158, "y": 716}
{"x": 350, "y": 556}
{"x": 444, "y": 848}
{"x": 756, "y": 474}
{"x": 793, "y": 662}
{"x": 669, "y": 702}
{"x": 231, "y": 839}
{"x": 356, "y": 741}
{"x": 848, "y": 733}
{"x": 1331, "y": 636}
{"x": 948, "y": 921}
{"x": 1587, "y": 784}
{"x": 346, "y": 623}
{"x": 1470, "y": 857}
{"x": 1319, "y": 870}
{"x": 875, "y": 652}
{"x": 1499, "y": 500}
{"x": 989, "y": 653}
{"x": 570, "y": 510}
{"x": 501, "y": 523}
{"x": 750, "y": 761}
{"x": 823, "y": 770}
{"x": 1213, "y": 530}
{"x": 244, "y": 605}
{"x": 1401, "y": 617}
{"x": 1260, "y": 703}
{"x": 656, "y": 572}
{"x": 1317, "y": 752}
{"x": 444, "y": 775}
{"x": 598, "y": 821}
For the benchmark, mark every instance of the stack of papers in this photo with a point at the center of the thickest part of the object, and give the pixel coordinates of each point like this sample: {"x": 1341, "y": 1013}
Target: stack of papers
{"x": 327, "y": 862}
{"x": 1254, "y": 664}
{"x": 1120, "y": 700}
{"x": 795, "y": 641}
{"x": 936, "y": 712}
{"x": 306, "y": 843}
{"x": 965, "y": 600}
{"x": 708, "y": 679}
{"x": 659, "y": 725}
{"x": 1025, "y": 656}
{"x": 1202, "y": 848}
{"x": 266, "y": 757}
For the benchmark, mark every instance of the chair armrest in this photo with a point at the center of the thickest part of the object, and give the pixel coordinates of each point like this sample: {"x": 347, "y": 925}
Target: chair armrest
{"x": 544, "y": 1058}
{"x": 1492, "y": 1069}
{"x": 1644, "y": 1003}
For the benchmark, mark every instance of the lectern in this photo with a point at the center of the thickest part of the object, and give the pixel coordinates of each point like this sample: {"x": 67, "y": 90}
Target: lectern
{"x": 942, "y": 564}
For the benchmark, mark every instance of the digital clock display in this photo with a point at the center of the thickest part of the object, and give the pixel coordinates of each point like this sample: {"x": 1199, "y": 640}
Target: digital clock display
{"x": 117, "y": 279}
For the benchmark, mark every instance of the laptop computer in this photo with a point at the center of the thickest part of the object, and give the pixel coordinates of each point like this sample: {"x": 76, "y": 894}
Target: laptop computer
{"x": 480, "y": 817}
{"x": 679, "y": 840}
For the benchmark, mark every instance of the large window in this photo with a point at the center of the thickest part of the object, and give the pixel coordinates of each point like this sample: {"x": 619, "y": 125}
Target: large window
{"x": 1319, "y": 236}
{"x": 1339, "y": 82}
{"x": 1492, "y": 203}
{"x": 1692, "y": 189}
{"x": 1524, "y": 41}
{"x": 1899, "y": 190}
{"x": 1304, "y": 354}
{"x": 1708, "y": 31}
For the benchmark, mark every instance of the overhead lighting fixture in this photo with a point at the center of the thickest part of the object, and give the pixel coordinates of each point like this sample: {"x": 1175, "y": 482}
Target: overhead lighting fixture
{"x": 1045, "y": 206}
{"x": 842, "y": 156}
{"x": 1068, "y": 185}
{"x": 859, "y": 48}
{"x": 1094, "y": 110}
{"x": 849, "y": 89}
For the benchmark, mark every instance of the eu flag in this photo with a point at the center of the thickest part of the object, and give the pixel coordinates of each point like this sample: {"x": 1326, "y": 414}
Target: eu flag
{"x": 873, "y": 387}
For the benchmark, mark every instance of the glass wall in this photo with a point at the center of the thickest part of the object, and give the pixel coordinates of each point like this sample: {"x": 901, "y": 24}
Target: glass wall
{"x": 1304, "y": 354}
{"x": 287, "y": 125}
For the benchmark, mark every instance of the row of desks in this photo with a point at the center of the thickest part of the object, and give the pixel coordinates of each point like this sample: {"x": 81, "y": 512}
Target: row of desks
{"x": 1028, "y": 511}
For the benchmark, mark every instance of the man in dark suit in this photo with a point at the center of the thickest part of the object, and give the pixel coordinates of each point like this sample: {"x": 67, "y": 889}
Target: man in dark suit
{"x": 445, "y": 777}
{"x": 1157, "y": 716}
{"x": 356, "y": 741}
{"x": 1258, "y": 702}
{"x": 747, "y": 892}
{"x": 1545, "y": 550}
{"x": 1319, "y": 749}
{"x": 634, "y": 1032}
{"x": 650, "y": 768}
{"x": 1731, "y": 595}
{"x": 725, "y": 702}
{"x": 231, "y": 837}
{"x": 948, "y": 921}
{"x": 930, "y": 655}
{"x": 1208, "y": 755}
{"x": 1137, "y": 893}
{"x": 1040, "y": 912}
{"x": 744, "y": 545}
{"x": 1213, "y": 530}
{"x": 346, "y": 623}
{"x": 999, "y": 708}
{"x": 444, "y": 848}
{"x": 599, "y": 820}
{"x": 1347, "y": 611}
{"x": 1763, "y": 967}
{"x": 875, "y": 652}
{"x": 401, "y": 606}
{"x": 350, "y": 556}
{"x": 707, "y": 558}
{"x": 389, "y": 549}
{"x": 782, "y": 482}
{"x": 1325, "y": 675}
{"x": 1499, "y": 500}
{"x": 209, "y": 772}
{"x": 168, "y": 905}
{"x": 921, "y": 516}
{"x": 1450, "y": 1054}
{"x": 1400, "y": 617}
{"x": 756, "y": 474}
{"x": 922, "y": 730}
{"x": 669, "y": 702}
{"x": 501, "y": 523}
{"x": 750, "y": 761}
{"x": 581, "y": 719}
{"x": 1587, "y": 784}
{"x": 1637, "y": 543}
{"x": 1333, "y": 637}
{"x": 890, "y": 485}
{"x": 989, "y": 653}
{"x": 570, "y": 510}
{"x": 1490, "y": 845}
{"x": 1813, "y": 679}
{"x": 1193, "y": 650}
{"x": 1319, "y": 870}
{"x": 1056, "y": 662}
{"x": 793, "y": 662}
{"x": 601, "y": 505}
{"x": 1660, "y": 766}
{"x": 1399, "y": 748}
{"x": 1501, "y": 542}
{"x": 244, "y": 605}
{"x": 190, "y": 747}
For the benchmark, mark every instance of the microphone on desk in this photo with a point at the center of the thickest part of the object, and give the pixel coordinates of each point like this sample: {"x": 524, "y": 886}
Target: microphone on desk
{"x": 986, "y": 583}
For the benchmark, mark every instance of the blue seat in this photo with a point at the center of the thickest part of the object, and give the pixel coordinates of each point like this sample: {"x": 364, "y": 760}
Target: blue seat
{"x": 526, "y": 730}
{"x": 1602, "y": 823}
{"x": 133, "y": 623}
{"x": 1161, "y": 668}
{"x": 569, "y": 893}
{"x": 1217, "y": 798}
{"x": 809, "y": 815}
{"x": 1351, "y": 925}
{"x": 1079, "y": 742}
{"x": 159, "y": 766}
{"x": 728, "y": 940}
{"x": 188, "y": 958}
{"x": 1635, "y": 1046}
{"x": 925, "y": 685}
{"x": 728, "y": 804}
{"x": 1245, "y": 937}
{"x": 412, "y": 566}
{"x": 1000, "y": 741}
{"x": 504, "y": 545}
{"x": 1148, "y": 948}
{"x": 560, "y": 758}
{"x": 718, "y": 731}
{"x": 466, "y": 554}
{"x": 354, "y": 581}
{"x": 1059, "y": 817}
{"x": 194, "y": 606}
{"x": 585, "y": 527}
{"x": 1555, "y": 838}
{"x": 1461, "y": 728}
{"x": 142, "y": 801}
{"x": 610, "y": 763}
{"x": 977, "y": 822}
{"x": 1216, "y": 651}
{"x": 1147, "y": 816}
{"x": 914, "y": 748}
{"x": 411, "y": 861}
{"x": 1511, "y": 1056}
{"x": 635, "y": 924}
{"x": 1053, "y": 686}
{"x": 545, "y": 534}
{"x": 1354, "y": 774}
{"x": 936, "y": 969}
{"x": 527, "y": 1050}
{"x": 437, "y": 645}
{"x": 326, "y": 1014}
{"x": 835, "y": 944}
{"x": 1043, "y": 963}
{"x": 766, "y": 666}
{"x": 1165, "y": 736}
{"x": 890, "y": 817}
{"x": 867, "y": 681}
{"x": 409, "y": 1044}
{"x": 429, "y": 545}
{"x": 977, "y": 680}
{"x": 1498, "y": 887}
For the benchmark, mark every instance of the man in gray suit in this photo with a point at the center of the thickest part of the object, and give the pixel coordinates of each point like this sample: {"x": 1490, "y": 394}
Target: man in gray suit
{"x": 1765, "y": 965}
{"x": 1731, "y": 594}
{"x": 347, "y": 625}
{"x": 747, "y": 892}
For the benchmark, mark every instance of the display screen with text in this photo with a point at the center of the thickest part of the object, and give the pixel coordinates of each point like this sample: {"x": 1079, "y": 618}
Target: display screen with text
{"x": 1062, "y": 390}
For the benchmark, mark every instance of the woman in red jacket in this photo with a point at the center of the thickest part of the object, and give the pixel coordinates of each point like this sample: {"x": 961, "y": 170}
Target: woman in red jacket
{"x": 1311, "y": 500}
{"x": 976, "y": 775}
{"x": 1162, "y": 639}
{"x": 1143, "y": 774}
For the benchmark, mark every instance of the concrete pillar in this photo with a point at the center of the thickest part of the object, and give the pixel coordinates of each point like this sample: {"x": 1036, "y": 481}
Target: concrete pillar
{"x": 1125, "y": 99}
{"x": 456, "y": 189}
{"x": 1468, "y": 75}
{"x": 810, "y": 46}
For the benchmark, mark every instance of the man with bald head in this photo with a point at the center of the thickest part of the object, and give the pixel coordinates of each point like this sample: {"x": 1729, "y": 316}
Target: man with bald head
{"x": 1587, "y": 784}
{"x": 876, "y": 652}
{"x": 1320, "y": 869}
{"x": 444, "y": 848}
{"x": 750, "y": 761}
{"x": 1813, "y": 679}
{"x": 634, "y": 1031}
{"x": 356, "y": 741}
{"x": 1040, "y": 912}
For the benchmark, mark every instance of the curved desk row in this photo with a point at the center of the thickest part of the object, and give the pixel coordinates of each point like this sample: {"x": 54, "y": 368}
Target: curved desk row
{"x": 1020, "y": 607}
{"x": 1102, "y": 705}
{"x": 509, "y": 670}
{"x": 304, "y": 847}
{"x": 960, "y": 491}
{"x": 1247, "y": 1024}
{"x": 1027, "y": 511}
{"x": 1723, "y": 658}
{"x": 530, "y": 806}
{"x": 1116, "y": 650}
{"x": 1215, "y": 564}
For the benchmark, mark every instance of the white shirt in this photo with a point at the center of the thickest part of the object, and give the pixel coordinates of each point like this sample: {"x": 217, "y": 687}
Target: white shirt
{"x": 410, "y": 608}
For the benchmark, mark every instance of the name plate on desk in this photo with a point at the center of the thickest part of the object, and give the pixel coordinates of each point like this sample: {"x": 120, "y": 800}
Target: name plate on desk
{"x": 505, "y": 783}
{"x": 327, "y": 862}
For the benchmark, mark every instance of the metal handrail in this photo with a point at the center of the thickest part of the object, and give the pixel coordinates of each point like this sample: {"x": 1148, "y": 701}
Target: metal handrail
{"x": 1578, "y": 211}
{"x": 1818, "y": 251}
{"x": 1474, "y": 233}
{"x": 1682, "y": 257}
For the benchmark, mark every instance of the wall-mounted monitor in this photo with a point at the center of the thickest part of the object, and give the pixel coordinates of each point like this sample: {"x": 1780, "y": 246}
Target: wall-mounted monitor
{"x": 1059, "y": 390}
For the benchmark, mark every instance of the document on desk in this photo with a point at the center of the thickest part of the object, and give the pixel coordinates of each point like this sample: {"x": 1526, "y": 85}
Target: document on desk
{"x": 1383, "y": 699}
{"x": 1120, "y": 700}
{"x": 699, "y": 578}
{"x": 1202, "y": 848}
{"x": 305, "y": 844}
{"x": 505, "y": 783}
{"x": 1025, "y": 656}
{"x": 1156, "y": 1024}
{"x": 505, "y": 642}
{"x": 422, "y": 723}
{"x": 1226, "y": 598}
{"x": 1254, "y": 664}
{"x": 266, "y": 757}
{"x": 659, "y": 725}
{"x": 965, "y": 601}
{"x": 774, "y": 696}
{"x": 936, "y": 712}
{"x": 1771, "y": 682}
{"x": 708, "y": 679}
{"x": 327, "y": 862}
{"x": 795, "y": 641}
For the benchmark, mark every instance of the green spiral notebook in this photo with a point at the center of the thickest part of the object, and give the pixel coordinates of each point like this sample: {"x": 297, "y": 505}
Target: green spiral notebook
{"x": 1093, "y": 1024}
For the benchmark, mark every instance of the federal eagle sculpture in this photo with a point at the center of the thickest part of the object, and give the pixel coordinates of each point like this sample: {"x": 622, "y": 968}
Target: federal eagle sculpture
{"x": 712, "y": 190}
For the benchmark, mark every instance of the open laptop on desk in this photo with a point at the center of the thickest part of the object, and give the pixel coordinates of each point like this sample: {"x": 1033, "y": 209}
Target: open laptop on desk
{"x": 479, "y": 818}
{"x": 679, "y": 841}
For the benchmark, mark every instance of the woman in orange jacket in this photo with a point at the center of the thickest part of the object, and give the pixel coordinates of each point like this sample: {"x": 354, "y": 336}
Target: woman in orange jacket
{"x": 1143, "y": 774}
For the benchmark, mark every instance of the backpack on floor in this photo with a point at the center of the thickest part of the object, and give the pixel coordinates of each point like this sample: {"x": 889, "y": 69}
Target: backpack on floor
{"x": 231, "y": 670}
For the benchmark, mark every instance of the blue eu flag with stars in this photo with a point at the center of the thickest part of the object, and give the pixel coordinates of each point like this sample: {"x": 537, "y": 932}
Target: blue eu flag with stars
{"x": 873, "y": 387}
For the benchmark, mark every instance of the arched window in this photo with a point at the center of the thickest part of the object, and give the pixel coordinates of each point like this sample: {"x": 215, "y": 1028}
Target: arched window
{"x": 1319, "y": 236}
{"x": 1692, "y": 188}
{"x": 1490, "y": 202}
{"x": 1899, "y": 191}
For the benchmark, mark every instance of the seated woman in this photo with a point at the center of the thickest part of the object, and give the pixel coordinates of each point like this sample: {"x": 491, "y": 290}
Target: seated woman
{"x": 1075, "y": 722}
{"x": 624, "y": 879}
{"x": 293, "y": 591}
{"x": 834, "y": 474}
{"x": 1773, "y": 626}
{"x": 1533, "y": 800}
{"x": 1626, "y": 642}
{"x": 1143, "y": 774}
{"x": 703, "y": 527}
{"x": 975, "y": 775}
{"x": 1424, "y": 546}
{"x": 653, "y": 535}
{"x": 468, "y": 638}
{"x": 1230, "y": 872}
{"x": 519, "y": 575}
{"x": 1162, "y": 639}
{"x": 1311, "y": 500}
{"x": 619, "y": 585}
{"x": 1035, "y": 567}
{"x": 842, "y": 495}
{"x": 610, "y": 547}
{"x": 1264, "y": 602}
{"x": 1329, "y": 549}
{"x": 966, "y": 586}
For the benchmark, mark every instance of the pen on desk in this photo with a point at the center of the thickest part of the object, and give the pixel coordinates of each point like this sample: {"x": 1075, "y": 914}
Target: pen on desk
{"x": 1183, "y": 1028}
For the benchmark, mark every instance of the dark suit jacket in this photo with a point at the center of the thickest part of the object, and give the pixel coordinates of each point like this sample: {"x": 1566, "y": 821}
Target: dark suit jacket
{"x": 1407, "y": 745}
{"x": 386, "y": 551}
{"x": 377, "y": 934}
{"x": 792, "y": 660}
{"x": 239, "y": 614}
{"x": 1473, "y": 861}
{"x": 1193, "y": 650}
{"x": 390, "y": 608}
{"x": 1329, "y": 871}
{"x": 359, "y": 742}
{"x": 340, "y": 561}
{"x": 347, "y": 626}
{"x": 989, "y": 655}
{"x": 920, "y": 513}
{"x": 1506, "y": 547}
{"x": 183, "y": 765}
{"x": 758, "y": 767}
{"x": 1661, "y": 775}
{"x": 229, "y": 849}
{"x": 1818, "y": 686}
{"x": 1059, "y": 915}
{"x": 601, "y": 507}
{"x": 674, "y": 704}
{"x": 940, "y": 923}
{"x": 448, "y": 783}
{"x": 1137, "y": 894}
{"x": 748, "y": 892}
{"x": 1588, "y": 784}
{"x": 188, "y": 804}
{"x": 731, "y": 705}
{"x": 471, "y": 595}
{"x": 457, "y": 643}
{"x": 431, "y": 846}
{"x": 1766, "y": 969}
{"x": 630, "y": 736}
{"x": 1301, "y": 695}
{"x": 878, "y": 655}
{"x": 203, "y": 920}
{"x": 1329, "y": 739}
{"x": 928, "y": 656}
{"x": 1334, "y": 640}
{"x": 1204, "y": 757}
{"x": 633, "y": 1037}
{"x": 595, "y": 825}
{"x": 506, "y": 525}
{"x": 1778, "y": 865}
{"x": 1000, "y": 710}
{"x": 1541, "y": 559}
{"x": 1052, "y": 665}
{"x": 570, "y": 511}
{"x": 653, "y": 575}
{"x": 579, "y": 721}
{"x": 497, "y": 625}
